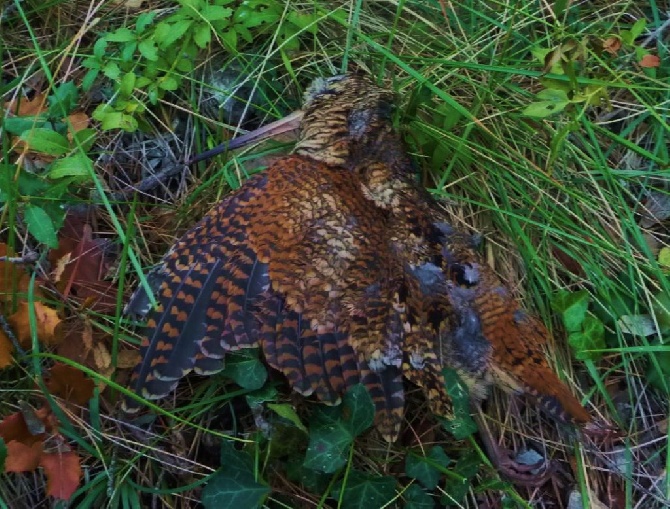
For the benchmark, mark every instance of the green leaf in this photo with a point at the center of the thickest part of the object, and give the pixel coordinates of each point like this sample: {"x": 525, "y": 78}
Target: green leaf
{"x": 8, "y": 187}
{"x": 591, "y": 337}
{"x": 364, "y": 491}
{"x": 40, "y": 225}
{"x": 416, "y": 498}
{"x": 76, "y": 165}
{"x": 637, "y": 28}
{"x": 148, "y": 49}
{"x": 89, "y": 79}
{"x": 18, "y": 125}
{"x": 85, "y": 138}
{"x": 424, "y": 469}
{"x": 168, "y": 83}
{"x": 304, "y": 21}
{"x": 63, "y": 99}
{"x": 456, "y": 488}
{"x": 202, "y": 35}
{"x": 234, "y": 485}
{"x": 127, "y": 84}
{"x": 462, "y": 425}
{"x": 176, "y": 31}
{"x": 572, "y": 306}
{"x": 144, "y": 20}
{"x": 121, "y": 35}
{"x": 287, "y": 411}
{"x": 46, "y": 141}
{"x": 637, "y": 325}
{"x": 111, "y": 119}
{"x": 661, "y": 307}
{"x": 333, "y": 429}
{"x": 542, "y": 109}
{"x": 215, "y": 13}
{"x": 112, "y": 70}
{"x": 246, "y": 370}
{"x": 229, "y": 38}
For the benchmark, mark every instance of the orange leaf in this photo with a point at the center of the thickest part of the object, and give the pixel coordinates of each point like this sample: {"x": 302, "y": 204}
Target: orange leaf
{"x": 23, "y": 107}
{"x": 6, "y": 349}
{"x": 13, "y": 427}
{"x": 650, "y": 61}
{"x": 70, "y": 384}
{"x": 22, "y": 457}
{"x": 47, "y": 321}
{"x": 79, "y": 121}
{"x": 612, "y": 45}
{"x": 63, "y": 473}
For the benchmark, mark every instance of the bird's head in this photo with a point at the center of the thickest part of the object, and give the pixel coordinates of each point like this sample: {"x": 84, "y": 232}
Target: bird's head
{"x": 343, "y": 115}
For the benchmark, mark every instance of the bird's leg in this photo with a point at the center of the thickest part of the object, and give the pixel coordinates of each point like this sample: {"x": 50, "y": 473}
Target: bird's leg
{"x": 532, "y": 476}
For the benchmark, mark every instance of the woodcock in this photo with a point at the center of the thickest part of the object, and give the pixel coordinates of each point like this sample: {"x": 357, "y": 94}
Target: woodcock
{"x": 339, "y": 267}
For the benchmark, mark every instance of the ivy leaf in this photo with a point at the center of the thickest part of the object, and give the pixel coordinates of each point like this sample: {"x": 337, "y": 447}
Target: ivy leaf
{"x": 416, "y": 498}
{"x": 234, "y": 485}
{"x": 246, "y": 370}
{"x": 363, "y": 491}
{"x": 333, "y": 429}
{"x": 462, "y": 425}
{"x": 40, "y": 225}
{"x": 423, "y": 469}
{"x": 591, "y": 338}
{"x": 572, "y": 306}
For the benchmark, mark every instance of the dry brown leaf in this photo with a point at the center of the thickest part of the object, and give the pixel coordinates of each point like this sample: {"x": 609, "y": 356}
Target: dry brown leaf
{"x": 23, "y": 457}
{"x": 23, "y": 107}
{"x": 127, "y": 359}
{"x": 63, "y": 472}
{"x": 70, "y": 384}
{"x": 650, "y": 61}
{"x": 6, "y": 349}
{"x": 47, "y": 323}
{"x": 78, "y": 121}
{"x": 101, "y": 356}
{"x": 612, "y": 45}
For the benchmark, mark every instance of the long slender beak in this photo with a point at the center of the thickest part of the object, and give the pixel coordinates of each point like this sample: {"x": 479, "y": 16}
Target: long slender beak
{"x": 283, "y": 125}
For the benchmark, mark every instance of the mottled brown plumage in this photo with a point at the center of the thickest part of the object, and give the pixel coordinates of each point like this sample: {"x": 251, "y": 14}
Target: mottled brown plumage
{"x": 302, "y": 264}
{"x": 338, "y": 265}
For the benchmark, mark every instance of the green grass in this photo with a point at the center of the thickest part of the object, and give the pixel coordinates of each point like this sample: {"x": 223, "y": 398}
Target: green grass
{"x": 557, "y": 199}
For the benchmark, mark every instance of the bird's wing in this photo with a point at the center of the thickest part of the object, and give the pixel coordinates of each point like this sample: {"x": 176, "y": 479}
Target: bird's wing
{"x": 293, "y": 262}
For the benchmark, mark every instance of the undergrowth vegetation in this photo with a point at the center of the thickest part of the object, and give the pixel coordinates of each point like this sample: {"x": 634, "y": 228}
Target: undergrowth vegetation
{"x": 541, "y": 126}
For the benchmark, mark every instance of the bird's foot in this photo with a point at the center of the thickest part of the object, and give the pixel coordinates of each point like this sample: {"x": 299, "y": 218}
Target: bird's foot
{"x": 521, "y": 469}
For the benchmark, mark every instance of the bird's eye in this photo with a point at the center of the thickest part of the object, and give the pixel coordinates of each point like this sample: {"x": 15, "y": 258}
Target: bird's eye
{"x": 465, "y": 275}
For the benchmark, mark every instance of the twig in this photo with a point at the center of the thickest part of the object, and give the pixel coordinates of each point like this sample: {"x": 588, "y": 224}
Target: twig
{"x": 28, "y": 258}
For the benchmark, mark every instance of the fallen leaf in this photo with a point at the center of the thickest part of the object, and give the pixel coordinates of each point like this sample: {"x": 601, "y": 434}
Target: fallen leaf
{"x": 6, "y": 349}
{"x": 23, "y": 457}
{"x": 70, "y": 384}
{"x": 63, "y": 472}
{"x": 102, "y": 357}
{"x": 23, "y": 107}
{"x": 81, "y": 262}
{"x": 47, "y": 322}
{"x": 127, "y": 359}
{"x": 650, "y": 61}
{"x": 78, "y": 121}
{"x": 612, "y": 45}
